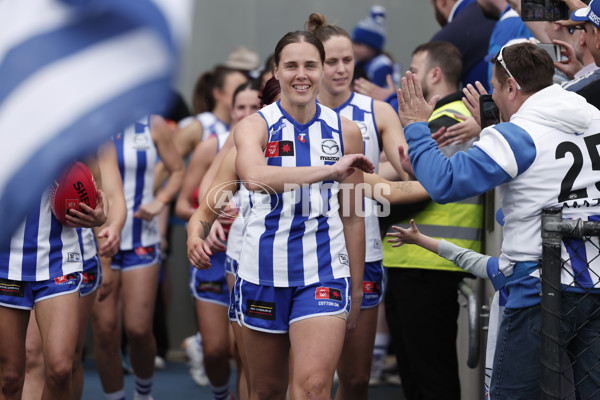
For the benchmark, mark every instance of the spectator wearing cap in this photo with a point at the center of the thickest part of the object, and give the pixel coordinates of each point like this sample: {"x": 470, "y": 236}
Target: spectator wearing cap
{"x": 368, "y": 38}
{"x": 243, "y": 59}
{"x": 590, "y": 16}
{"x": 465, "y": 26}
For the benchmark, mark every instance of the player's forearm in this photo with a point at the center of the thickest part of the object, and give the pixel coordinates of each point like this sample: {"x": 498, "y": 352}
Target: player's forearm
{"x": 282, "y": 179}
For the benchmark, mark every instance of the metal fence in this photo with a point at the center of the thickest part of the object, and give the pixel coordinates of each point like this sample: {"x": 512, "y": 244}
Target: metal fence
{"x": 565, "y": 316}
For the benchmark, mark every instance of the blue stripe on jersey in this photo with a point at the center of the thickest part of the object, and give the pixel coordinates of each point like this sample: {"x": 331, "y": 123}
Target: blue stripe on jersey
{"x": 265, "y": 247}
{"x": 324, "y": 248}
{"x": 30, "y": 245}
{"x": 520, "y": 142}
{"x": 56, "y": 245}
{"x": 461, "y": 176}
{"x": 295, "y": 248}
{"x": 578, "y": 258}
{"x": 140, "y": 174}
{"x": 357, "y": 114}
{"x": 119, "y": 143}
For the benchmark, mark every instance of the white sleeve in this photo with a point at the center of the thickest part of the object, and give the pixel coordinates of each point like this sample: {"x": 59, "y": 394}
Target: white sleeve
{"x": 466, "y": 259}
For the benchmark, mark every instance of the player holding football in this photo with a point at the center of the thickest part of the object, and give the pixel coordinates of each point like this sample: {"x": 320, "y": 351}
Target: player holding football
{"x": 42, "y": 268}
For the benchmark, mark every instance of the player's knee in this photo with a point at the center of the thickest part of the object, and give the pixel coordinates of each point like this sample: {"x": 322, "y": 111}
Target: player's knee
{"x": 354, "y": 381}
{"x": 59, "y": 372}
{"x": 215, "y": 352}
{"x": 138, "y": 333}
{"x": 270, "y": 391}
{"x": 34, "y": 357}
{"x": 316, "y": 388}
{"x": 12, "y": 382}
{"x": 105, "y": 334}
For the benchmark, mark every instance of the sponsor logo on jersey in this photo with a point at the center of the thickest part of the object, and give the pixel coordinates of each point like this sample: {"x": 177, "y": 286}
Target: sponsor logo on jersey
{"x": 69, "y": 279}
{"x": 88, "y": 278}
{"x": 209, "y": 287}
{"x": 344, "y": 259}
{"x": 12, "y": 288}
{"x": 301, "y": 137}
{"x": 260, "y": 309}
{"x": 363, "y": 129}
{"x": 141, "y": 141}
{"x": 281, "y": 148}
{"x": 376, "y": 244}
{"x": 275, "y": 130}
{"x": 331, "y": 149}
{"x": 371, "y": 287}
{"x": 144, "y": 252}
{"x": 73, "y": 257}
{"x": 327, "y": 293}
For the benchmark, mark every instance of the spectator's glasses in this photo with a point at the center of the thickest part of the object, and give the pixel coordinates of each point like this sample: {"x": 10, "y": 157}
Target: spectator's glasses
{"x": 574, "y": 28}
{"x": 501, "y": 61}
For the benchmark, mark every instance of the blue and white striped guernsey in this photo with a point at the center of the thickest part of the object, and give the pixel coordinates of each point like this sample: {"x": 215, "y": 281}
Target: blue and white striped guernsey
{"x": 296, "y": 238}
{"x": 137, "y": 156}
{"x": 359, "y": 108}
{"x": 41, "y": 248}
{"x": 87, "y": 241}
{"x": 211, "y": 125}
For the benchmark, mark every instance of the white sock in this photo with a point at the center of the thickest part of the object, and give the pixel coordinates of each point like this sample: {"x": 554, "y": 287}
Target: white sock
{"x": 143, "y": 388}
{"x": 118, "y": 395}
{"x": 220, "y": 392}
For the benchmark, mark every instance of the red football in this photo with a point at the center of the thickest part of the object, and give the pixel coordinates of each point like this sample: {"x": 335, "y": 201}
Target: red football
{"x": 75, "y": 185}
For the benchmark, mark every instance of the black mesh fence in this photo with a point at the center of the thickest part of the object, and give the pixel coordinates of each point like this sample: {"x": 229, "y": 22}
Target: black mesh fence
{"x": 570, "y": 310}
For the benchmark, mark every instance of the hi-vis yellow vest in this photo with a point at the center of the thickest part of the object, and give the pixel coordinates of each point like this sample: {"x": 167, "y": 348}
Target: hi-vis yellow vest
{"x": 460, "y": 223}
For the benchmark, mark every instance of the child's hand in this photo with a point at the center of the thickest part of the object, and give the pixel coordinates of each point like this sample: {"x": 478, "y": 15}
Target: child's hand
{"x": 404, "y": 236}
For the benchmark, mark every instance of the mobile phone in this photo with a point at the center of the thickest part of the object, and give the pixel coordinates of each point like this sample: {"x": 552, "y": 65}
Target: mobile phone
{"x": 553, "y": 50}
{"x": 488, "y": 111}
{"x": 544, "y": 10}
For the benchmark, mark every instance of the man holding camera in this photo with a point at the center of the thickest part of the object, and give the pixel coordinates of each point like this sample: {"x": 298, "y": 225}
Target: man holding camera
{"x": 550, "y": 132}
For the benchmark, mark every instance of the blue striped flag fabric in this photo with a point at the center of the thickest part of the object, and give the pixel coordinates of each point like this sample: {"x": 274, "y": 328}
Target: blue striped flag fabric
{"x": 73, "y": 73}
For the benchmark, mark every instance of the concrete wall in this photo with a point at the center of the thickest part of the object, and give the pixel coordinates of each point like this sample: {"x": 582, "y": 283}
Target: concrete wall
{"x": 220, "y": 26}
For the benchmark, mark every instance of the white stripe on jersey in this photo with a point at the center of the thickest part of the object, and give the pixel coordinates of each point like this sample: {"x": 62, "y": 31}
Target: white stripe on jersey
{"x": 133, "y": 151}
{"x": 359, "y": 108}
{"x": 211, "y": 125}
{"x": 88, "y": 243}
{"x": 284, "y": 246}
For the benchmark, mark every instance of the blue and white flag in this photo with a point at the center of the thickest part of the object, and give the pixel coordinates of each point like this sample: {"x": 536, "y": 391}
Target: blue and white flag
{"x": 73, "y": 73}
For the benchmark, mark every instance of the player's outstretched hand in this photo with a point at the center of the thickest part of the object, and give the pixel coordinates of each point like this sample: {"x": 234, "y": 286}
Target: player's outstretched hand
{"x": 471, "y": 99}
{"x": 150, "y": 210}
{"x": 368, "y": 88}
{"x": 88, "y": 217}
{"x": 113, "y": 240}
{"x": 404, "y": 236}
{"x": 347, "y": 164}
{"x": 216, "y": 238}
{"x": 198, "y": 252}
{"x": 412, "y": 106}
